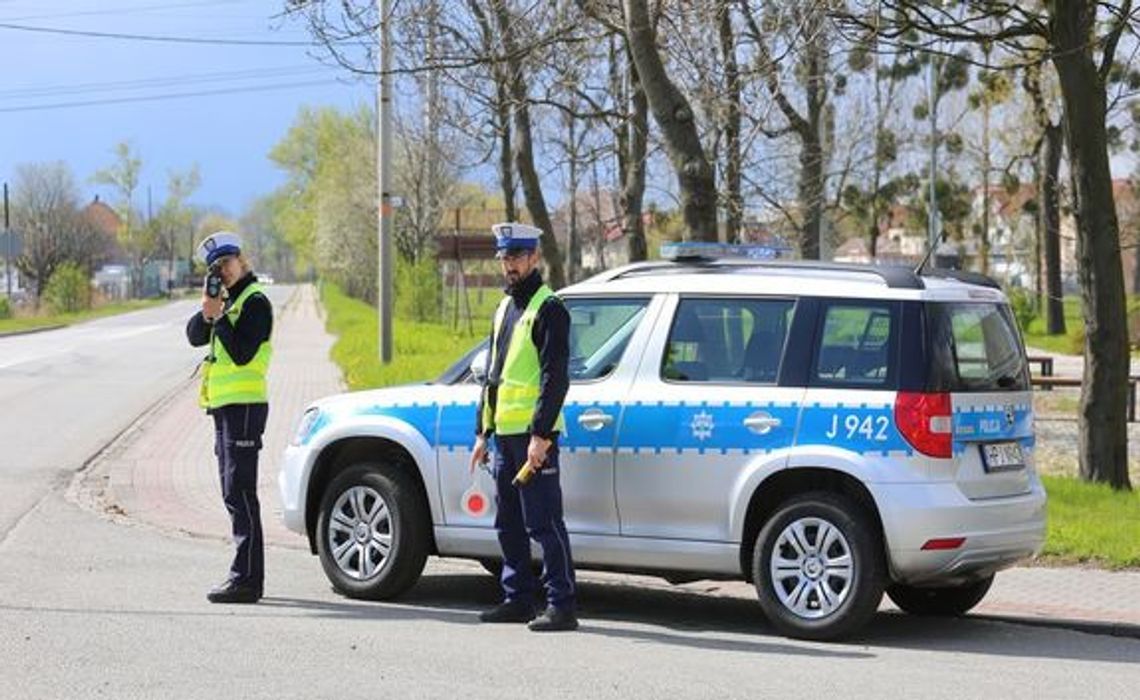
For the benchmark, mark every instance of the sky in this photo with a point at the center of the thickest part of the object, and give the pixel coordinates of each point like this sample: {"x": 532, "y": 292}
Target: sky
{"x": 72, "y": 98}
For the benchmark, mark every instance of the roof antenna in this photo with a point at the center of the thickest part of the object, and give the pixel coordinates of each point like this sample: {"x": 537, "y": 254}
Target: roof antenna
{"x": 929, "y": 252}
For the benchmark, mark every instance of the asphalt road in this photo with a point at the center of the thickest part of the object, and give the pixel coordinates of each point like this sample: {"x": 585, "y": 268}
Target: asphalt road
{"x": 96, "y": 608}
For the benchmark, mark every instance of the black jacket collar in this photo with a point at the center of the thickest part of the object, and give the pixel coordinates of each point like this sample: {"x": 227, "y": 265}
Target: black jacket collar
{"x": 239, "y": 286}
{"x": 524, "y": 289}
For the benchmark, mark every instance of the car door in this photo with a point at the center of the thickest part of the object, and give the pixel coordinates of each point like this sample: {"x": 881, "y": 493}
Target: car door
{"x": 706, "y": 410}
{"x": 606, "y": 336}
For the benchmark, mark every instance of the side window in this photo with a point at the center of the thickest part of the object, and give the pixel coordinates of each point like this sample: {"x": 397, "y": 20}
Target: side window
{"x": 727, "y": 340}
{"x": 855, "y": 344}
{"x": 600, "y": 329}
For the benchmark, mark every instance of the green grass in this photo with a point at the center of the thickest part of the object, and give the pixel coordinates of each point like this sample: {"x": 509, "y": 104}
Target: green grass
{"x": 1091, "y": 523}
{"x": 1072, "y": 343}
{"x": 27, "y": 323}
{"x": 421, "y": 351}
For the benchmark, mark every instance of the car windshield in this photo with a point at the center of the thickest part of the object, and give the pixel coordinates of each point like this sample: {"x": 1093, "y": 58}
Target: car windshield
{"x": 460, "y": 371}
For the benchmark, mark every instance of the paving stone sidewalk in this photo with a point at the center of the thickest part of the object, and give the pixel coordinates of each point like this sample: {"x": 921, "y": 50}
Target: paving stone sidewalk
{"x": 162, "y": 473}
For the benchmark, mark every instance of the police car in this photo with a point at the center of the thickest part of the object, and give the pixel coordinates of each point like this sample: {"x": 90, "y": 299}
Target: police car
{"x": 827, "y": 432}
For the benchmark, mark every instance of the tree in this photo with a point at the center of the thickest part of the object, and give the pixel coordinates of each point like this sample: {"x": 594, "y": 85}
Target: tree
{"x": 675, "y": 118}
{"x": 45, "y": 208}
{"x": 123, "y": 177}
{"x": 1072, "y": 35}
{"x": 175, "y": 219}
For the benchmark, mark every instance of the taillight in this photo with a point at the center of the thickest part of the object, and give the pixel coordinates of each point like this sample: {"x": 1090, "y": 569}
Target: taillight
{"x": 926, "y": 421}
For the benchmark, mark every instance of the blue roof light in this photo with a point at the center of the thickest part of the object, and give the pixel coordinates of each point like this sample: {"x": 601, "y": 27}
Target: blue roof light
{"x": 697, "y": 250}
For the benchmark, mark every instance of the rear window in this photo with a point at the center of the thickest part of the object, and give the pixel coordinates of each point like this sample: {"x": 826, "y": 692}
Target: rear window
{"x": 976, "y": 347}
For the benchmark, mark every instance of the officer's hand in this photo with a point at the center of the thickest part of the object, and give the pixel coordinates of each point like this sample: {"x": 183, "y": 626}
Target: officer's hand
{"x": 478, "y": 454}
{"x": 211, "y": 308}
{"x": 536, "y": 451}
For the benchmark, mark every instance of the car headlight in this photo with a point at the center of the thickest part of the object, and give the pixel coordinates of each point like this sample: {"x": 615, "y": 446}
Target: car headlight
{"x": 306, "y": 426}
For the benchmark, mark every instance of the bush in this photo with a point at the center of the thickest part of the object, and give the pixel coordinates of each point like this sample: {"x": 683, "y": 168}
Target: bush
{"x": 419, "y": 291}
{"x": 68, "y": 290}
{"x": 1022, "y": 304}
{"x": 5, "y": 308}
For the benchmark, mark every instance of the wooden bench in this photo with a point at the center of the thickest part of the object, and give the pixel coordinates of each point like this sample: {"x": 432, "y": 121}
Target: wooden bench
{"x": 1044, "y": 361}
{"x": 1046, "y": 383}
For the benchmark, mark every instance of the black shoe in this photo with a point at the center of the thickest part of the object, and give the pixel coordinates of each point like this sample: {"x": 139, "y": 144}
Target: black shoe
{"x": 231, "y": 592}
{"x": 510, "y": 611}
{"x": 554, "y": 620}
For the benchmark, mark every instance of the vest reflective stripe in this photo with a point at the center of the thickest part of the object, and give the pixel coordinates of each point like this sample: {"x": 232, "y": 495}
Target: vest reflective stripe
{"x": 519, "y": 383}
{"x": 225, "y": 382}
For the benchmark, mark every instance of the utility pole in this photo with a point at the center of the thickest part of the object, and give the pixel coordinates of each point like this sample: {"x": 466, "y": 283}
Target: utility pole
{"x": 383, "y": 156}
{"x": 932, "y": 215}
{"x": 8, "y": 241}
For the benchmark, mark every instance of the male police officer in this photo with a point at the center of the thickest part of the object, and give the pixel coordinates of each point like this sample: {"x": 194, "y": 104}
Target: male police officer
{"x": 237, "y": 329}
{"x": 521, "y": 405}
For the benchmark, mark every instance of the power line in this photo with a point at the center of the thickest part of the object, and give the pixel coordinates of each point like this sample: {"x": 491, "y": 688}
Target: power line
{"x": 168, "y": 96}
{"x": 123, "y": 10}
{"x": 164, "y": 81}
{"x": 154, "y": 37}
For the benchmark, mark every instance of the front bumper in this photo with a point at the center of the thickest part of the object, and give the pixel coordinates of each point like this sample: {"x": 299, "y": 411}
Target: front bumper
{"x": 290, "y": 482}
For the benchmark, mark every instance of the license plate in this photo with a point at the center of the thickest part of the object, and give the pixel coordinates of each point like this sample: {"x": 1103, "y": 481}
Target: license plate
{"x": 1002, "y": 456}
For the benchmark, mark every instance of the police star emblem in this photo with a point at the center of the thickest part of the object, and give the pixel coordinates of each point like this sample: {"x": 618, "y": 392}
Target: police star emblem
{"x": 702, "y": 426}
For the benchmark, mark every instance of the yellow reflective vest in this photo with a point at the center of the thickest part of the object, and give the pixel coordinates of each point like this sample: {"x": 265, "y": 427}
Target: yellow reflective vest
{"x": 519, "y": 382}
{"x": 225, "y": 382}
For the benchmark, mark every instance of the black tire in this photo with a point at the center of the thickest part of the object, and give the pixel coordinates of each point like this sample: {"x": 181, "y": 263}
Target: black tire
{"x": 946, "y": 601}
{"x": 836, "y": 599}
{"x": 366, "y": 569}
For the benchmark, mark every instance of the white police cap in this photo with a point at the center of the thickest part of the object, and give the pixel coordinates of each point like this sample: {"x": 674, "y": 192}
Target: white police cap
{"x": 511, "y": 235}
{"x": 218, "y": 245}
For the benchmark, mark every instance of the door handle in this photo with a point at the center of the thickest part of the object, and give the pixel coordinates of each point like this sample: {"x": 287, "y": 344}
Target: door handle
{"x": 594, "y": 419}
{"x": 761, "y": 423}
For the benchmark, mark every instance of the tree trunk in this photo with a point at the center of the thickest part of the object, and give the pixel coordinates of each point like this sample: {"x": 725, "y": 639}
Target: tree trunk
{"x": 674, "y": 115}
{"x": 633, "y": 184}
{"x": 524, "y": 152}
{"x": 1103, "y": 440}
{"x": 734, "y": 201}
{"x": 811, "y": 152}
{"x": 506, "y": 167}
{"x": 573, "y": 247}
{"x": 1049, "y": 212}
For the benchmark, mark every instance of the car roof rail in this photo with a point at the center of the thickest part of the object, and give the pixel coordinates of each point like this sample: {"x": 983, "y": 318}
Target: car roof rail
{"x": 895, "y": 276}
{"x": 962, "y": 276}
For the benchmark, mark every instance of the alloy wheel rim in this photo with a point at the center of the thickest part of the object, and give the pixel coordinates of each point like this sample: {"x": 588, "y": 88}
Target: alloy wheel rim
{"x": 812, "y": 568}
{"x": 360, "y": 533}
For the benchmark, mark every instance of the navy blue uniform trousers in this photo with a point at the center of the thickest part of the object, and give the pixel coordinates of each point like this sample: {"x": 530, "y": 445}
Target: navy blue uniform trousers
{"x": 531, "y": 511}
{"x": 237, "y": 440}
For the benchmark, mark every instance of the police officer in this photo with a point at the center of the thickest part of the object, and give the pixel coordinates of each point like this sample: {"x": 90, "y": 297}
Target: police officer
{"x": 236, "y": 320}
{"x": 521, "y": 408}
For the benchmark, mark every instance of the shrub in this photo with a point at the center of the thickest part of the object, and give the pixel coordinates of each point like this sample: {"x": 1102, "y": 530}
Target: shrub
{"x": 419, "y": 291}
{"x": 5, "y": 308}
{"x": 1022, "y": 304}
{"x": 68, "y": 290}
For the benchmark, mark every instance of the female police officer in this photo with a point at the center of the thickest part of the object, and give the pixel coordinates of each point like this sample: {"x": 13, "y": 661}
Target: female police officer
{"x": 521, "y": 405}
{"x": 236, "y": 325}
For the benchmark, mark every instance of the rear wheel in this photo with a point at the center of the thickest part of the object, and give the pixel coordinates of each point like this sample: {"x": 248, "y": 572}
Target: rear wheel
{"x": 945, "y": 601}
{"x": 818, "y": 567}
{"x": 373, "y": 532}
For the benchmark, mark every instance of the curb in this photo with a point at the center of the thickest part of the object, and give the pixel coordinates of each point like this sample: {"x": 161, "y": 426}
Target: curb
{"x": 1104, "y": 629}
{"x": 29, "y": 331}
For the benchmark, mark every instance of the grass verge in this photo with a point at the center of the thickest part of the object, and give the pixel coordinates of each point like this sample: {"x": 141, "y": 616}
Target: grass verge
{"x": 421, "y": 350}
{"x": 30, "y": 323}
{"x": 1091, "y": 523}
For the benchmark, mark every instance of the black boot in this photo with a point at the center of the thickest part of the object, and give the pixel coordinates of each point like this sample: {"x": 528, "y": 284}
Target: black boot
{"x": 554, "y": 620}
{"x": 510, "y": 611}
{"x": 233, "y": 592}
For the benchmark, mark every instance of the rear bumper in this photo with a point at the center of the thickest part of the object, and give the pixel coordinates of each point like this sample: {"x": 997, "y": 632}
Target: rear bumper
{"x": 998, "y": 532}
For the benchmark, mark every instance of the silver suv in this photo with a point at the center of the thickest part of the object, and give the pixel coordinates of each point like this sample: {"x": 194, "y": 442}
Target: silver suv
{"x": 826, "y": 432}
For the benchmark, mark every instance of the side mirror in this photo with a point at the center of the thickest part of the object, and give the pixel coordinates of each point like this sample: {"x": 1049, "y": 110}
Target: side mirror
{"x": 479, "y": 366}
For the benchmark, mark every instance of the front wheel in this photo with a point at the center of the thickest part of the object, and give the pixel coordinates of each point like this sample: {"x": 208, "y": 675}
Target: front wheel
{"x": 946, "y": 601}
{"x": 818, "y": 567}
{"x": 373, "y": 532}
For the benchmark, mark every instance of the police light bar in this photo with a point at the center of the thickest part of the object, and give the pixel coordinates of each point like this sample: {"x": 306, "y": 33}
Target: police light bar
{"x": 697, "y": 250}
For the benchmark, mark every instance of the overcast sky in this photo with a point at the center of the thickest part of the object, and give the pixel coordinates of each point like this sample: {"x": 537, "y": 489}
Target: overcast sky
{"x": 241, "y": 99}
